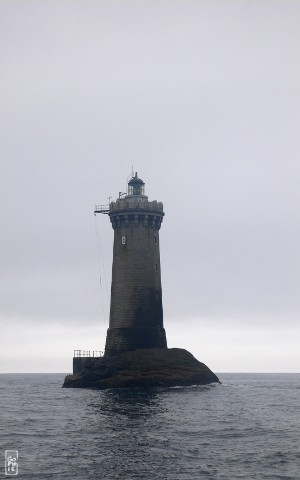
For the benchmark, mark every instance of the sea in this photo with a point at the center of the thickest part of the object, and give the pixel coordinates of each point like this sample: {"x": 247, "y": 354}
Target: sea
{"x": 247, "y": 427}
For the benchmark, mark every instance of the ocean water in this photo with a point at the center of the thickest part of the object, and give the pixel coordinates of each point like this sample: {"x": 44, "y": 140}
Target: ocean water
{"x": 246, "y": 428}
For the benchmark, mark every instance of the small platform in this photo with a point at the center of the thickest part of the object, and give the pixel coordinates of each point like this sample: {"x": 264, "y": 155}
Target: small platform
{"x": 151, "y": 367}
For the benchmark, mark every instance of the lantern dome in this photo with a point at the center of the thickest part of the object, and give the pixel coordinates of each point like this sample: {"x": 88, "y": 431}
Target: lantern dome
{"x": 136, "y": 186}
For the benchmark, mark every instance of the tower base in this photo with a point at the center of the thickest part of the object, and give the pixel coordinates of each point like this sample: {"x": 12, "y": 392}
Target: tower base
{"x": 151, "y": 367}
{"x": 120, "y": 340}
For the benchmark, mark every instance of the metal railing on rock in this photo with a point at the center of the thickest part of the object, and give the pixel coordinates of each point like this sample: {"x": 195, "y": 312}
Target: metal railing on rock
{"x": 87, "y": 353}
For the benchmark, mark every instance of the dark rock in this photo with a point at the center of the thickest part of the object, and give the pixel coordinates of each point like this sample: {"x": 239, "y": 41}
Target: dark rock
{"x": 151, "y": 367}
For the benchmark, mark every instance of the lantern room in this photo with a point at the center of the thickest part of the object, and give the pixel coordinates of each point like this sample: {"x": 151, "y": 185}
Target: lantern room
{"x": 136, "y": 186}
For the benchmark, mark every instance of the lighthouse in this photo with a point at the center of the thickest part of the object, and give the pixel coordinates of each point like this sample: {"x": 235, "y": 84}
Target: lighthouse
{"x": 136, "y": 312}
{"x": 136, "y": 353}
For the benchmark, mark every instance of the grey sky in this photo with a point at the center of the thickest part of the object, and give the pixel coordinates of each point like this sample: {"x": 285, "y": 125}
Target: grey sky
{"x": 202, "y": 98}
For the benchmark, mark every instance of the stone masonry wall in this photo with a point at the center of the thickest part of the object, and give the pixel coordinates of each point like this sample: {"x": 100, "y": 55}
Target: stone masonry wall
{"x": 136, "y": 314}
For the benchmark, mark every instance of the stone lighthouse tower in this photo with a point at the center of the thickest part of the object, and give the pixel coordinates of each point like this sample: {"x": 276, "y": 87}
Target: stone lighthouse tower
{"x": 136, "y": 313}
{"x": 136, "y": 353}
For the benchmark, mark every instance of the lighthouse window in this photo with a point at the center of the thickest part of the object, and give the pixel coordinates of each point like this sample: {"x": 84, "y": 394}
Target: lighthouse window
{"x": 124, "y": 240}
{"x": 156, "y": 266}
{"x": 155, "y": 239}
